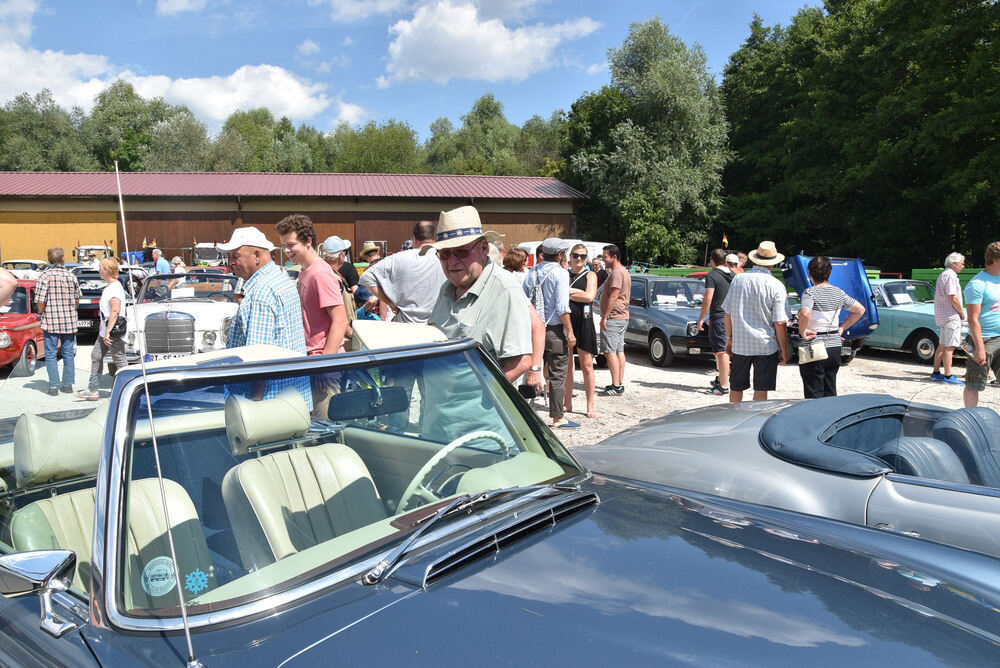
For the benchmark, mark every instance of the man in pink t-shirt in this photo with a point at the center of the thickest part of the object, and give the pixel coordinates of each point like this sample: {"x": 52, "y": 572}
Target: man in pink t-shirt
{"x": 323, "y": 312}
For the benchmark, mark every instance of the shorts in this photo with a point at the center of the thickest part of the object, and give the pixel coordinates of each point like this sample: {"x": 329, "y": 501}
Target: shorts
{"x": 951, "y": 333}
{"x": 975, "y": 374}
{"x": 717, "y": 334}
{"x": 613, "y": 338}
{"x": 765, "y": 372}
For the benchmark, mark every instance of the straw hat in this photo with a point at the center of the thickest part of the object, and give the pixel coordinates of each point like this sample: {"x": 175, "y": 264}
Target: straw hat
{"x": 766, "y": 254}
{"x": 247, "y": 236}
{"x": 368, "y": 247}
{"x": 459, "y": 227}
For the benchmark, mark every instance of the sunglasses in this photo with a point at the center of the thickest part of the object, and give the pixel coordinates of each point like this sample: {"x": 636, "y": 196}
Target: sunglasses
{"x": 460, "y": 253}
{"x": 579, "y": 256}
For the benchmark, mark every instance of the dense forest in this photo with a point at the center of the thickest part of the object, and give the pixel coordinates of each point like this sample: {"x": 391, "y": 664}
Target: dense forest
{"x": 864, "y": 128}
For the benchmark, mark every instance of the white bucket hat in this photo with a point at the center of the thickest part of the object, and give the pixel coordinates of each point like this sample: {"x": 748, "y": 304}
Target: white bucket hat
{"x": 247, "y": 236}
{"x": 459, "y": 227}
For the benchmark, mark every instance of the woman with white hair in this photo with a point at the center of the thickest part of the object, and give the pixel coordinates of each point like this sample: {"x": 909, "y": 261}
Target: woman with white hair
{"x": 948, "y": 315}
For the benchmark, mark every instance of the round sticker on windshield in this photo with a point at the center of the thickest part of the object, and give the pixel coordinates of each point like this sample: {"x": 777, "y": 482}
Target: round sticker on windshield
{"x": 158, "y": 576}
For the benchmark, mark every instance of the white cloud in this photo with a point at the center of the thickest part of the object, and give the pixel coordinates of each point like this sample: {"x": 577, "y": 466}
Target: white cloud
{"x": 356, "y": 10}
{"x": 505, "y": 9}
{"x": 75, "y": 79}
{"x": 348, "y": 41}
{"x": 352, "y": 114}
{"x": 598, "y": 68}
{"x": 168, "y": 7}
{"x": 15, "y": 20}
{"x": 308, "y": 48}
{"x": 445, "y": 40}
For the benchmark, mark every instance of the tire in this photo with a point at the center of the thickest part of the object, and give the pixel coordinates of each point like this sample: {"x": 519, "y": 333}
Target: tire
{"x": 25, "y": 365}
{"x": 660, "y": 353}
{"x": 923, "y": 343}
{"x": 847, "y": 359}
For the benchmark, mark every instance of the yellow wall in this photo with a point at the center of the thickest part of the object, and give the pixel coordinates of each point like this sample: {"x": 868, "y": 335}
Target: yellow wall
{"x": 28, "y": 235}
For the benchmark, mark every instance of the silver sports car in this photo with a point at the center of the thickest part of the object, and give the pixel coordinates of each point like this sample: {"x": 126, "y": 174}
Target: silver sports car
{"x": 900, "y": 466}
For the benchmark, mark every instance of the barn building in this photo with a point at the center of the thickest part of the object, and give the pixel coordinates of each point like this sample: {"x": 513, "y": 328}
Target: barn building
{"x": 39, "y": 210}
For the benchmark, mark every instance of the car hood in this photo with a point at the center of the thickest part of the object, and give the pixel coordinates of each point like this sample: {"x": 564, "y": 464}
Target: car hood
{"x": 648, "y": 576}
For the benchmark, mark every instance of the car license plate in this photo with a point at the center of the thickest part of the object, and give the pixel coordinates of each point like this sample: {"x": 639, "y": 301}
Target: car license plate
{"x": 84, "y": 323}
{"x": 155, "y": 357}
{"x": 694, "y": 351}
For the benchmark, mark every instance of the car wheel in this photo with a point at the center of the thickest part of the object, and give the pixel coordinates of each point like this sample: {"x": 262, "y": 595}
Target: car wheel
{"x": 25, "y": 365}
{"x": 923, "y": 344}
{"x": 847, "y": 359}
{"x": 659, "y": 350}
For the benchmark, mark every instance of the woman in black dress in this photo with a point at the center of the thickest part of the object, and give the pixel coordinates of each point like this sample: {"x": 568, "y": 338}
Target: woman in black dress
{"x": 582, "y": 291}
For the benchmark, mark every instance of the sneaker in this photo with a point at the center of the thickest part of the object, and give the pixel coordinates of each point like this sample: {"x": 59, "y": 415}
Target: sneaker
{"x": 951, "y": 380}
{"x": 88, "y": 395}
{"x": 719, "y": 391}
{"x": 66, "y": 389}
{"x": 938, "y": 376}
{"x": 715, "y": 383}
{"x": 614, "y": 390}
{"x": 54, "y": 391}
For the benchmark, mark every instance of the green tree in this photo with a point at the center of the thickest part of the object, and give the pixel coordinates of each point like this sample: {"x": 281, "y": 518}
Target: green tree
{"x": 653, "y": 142}
{"x": 230, "y": 152}
{"x": 257, "y": 128}
{"x": 178, "y": 144}
{"x": 377, "y": 148}
{"x": 38, "y": 135}
{"x": 120, "y": 125}
{"x": 539, "y": 145}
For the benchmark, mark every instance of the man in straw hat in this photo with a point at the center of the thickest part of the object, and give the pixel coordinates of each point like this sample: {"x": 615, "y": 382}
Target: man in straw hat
{"x": 756, "y": 325}
{"x": 480, "y": 299}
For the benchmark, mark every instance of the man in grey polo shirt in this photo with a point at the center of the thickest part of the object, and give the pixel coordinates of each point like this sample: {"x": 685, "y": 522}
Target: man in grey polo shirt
{"x": 409, "y": 282}
{"x": 480, "y": 300}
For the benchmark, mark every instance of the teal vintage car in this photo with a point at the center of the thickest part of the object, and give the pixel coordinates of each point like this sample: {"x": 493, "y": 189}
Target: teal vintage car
{"x": 906, "y": 318}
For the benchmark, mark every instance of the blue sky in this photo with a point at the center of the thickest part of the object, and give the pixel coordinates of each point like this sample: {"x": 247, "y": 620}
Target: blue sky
{"x": 326, "y": 61}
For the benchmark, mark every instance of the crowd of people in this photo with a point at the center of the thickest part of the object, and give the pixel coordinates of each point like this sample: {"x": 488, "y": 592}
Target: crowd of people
{"x": 533, "y": 321}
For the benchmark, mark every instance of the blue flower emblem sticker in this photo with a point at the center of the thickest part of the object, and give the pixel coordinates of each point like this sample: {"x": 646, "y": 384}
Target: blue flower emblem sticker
{"x": 196, "y": 581}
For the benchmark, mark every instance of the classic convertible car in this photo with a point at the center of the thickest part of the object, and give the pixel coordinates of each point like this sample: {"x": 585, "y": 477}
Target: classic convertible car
{"x": 26, "y": 270}
{"x": 20, "y": 330}
{"x": 405, "y": 506}
{"x": 180, "y": 314}
{"x": 663, "y": 317}
{"x": 906, "y": 314}
{"x": 900, "y": 466}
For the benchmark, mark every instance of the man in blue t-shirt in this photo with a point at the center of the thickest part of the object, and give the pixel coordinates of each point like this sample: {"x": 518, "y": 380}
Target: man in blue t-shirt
{"x": 162, "y": 266}
{"x": 982, "y": 300}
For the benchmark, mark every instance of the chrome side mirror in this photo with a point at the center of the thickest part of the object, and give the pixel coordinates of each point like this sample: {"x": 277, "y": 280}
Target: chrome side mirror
{"x": 39, "y": 572}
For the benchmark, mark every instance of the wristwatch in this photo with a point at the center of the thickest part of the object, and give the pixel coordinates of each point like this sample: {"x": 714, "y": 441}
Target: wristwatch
{"x": 535, "y": 367}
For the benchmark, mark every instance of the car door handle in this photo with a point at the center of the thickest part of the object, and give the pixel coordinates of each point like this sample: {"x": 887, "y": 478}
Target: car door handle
{"x": 892, "y": 529}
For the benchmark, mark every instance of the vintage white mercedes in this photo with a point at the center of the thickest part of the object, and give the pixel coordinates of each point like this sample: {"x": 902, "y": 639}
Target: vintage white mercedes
{"x": 176, "y": 315}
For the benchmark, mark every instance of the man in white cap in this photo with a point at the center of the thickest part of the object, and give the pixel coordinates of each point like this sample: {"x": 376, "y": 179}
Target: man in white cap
{"x": 756, "y": 325}
{"x": 712, "y": 314}
{"x": 547, "y": 287}
{"x": 270, "y": 311}
{"x": 480, "y": 300}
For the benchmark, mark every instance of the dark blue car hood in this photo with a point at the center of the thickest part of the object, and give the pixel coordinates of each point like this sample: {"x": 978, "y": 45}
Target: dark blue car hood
{"x": 648, "y": 576}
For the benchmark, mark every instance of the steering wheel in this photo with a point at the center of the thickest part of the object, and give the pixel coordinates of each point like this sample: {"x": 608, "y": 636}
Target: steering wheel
{"x": 225, "y": 296}
{"x": 417, "y": 489}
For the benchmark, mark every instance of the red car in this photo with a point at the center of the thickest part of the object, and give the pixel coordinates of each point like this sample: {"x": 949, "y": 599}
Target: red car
{"x": 20, "y": 330}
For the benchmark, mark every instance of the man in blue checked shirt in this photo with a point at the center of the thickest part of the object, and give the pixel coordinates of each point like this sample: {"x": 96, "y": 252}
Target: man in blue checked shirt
{"x": 270, "y": 312}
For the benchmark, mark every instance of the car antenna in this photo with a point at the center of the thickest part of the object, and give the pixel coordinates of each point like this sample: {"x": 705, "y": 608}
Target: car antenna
{"x": 192, "y": 661}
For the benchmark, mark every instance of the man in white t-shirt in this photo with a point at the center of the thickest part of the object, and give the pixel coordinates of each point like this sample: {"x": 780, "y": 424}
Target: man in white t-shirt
{"x": 948, "y": 315}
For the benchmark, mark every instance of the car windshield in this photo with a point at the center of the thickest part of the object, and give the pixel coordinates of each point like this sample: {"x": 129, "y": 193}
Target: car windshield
{"x": 676, "y": 293}
{"x": 274, "y": 476}
{"x": 212, "y": 287}
{"x": 909, "y": 292}
{"x": 13, "y": 264}
{"x": 18, "y": 302}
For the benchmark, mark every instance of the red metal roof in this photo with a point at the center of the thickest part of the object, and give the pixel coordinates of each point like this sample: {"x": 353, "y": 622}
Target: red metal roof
{"x": 208, "y": 184}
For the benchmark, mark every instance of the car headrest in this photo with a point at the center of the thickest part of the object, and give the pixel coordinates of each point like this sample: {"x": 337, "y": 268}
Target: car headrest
{"x": 250, "y": 423}
{"x": 46, "y": 451}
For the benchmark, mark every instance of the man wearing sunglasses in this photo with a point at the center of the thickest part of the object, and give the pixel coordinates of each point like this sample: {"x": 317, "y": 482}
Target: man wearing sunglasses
{"x": 480, "y": 300}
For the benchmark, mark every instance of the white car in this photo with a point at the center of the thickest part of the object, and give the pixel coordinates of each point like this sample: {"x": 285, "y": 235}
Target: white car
{"x": 26, "y": 270}
{"x": 177, "y": 315}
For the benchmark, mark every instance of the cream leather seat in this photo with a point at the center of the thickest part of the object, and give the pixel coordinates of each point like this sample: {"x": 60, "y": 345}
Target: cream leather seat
{"x": 66, "y": 521}
{"x": 290, "y": 500}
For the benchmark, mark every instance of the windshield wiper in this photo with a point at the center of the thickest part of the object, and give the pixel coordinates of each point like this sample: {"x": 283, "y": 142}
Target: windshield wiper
{"x": 465, "y": 503}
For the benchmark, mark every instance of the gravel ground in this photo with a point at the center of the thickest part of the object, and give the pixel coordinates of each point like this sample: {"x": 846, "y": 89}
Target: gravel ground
{"x": 651, "y": 391}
